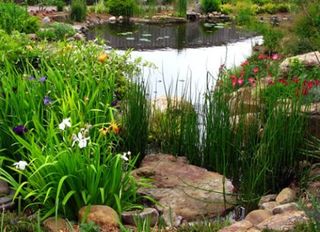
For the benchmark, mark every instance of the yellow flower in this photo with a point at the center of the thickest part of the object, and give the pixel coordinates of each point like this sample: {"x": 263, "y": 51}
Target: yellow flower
{"x": 29, "y": 47}
{"x": 114, "y": 127}
{"x": 104, "y": 131}
{"x": 102, "y": 57}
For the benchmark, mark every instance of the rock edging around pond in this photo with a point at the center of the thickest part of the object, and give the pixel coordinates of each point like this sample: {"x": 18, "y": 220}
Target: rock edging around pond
{"x": 276, "y": 212}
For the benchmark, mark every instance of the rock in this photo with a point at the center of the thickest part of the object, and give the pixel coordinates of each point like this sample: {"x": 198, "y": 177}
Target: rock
{"x": 310, "y": 59}
{"x": 269, "y": 205}
{"x": 79, "y": 36}
{"x": 102, "y": 215}
{"x": 129, "y": 217}
{"x": 286, "y": 195}
{"x": 244, "y": 100}
{"x": 267, "y": 198}
{"x": 46, "y": 20}
{"x": 5, "y": 199}
{"x": 187, "y": 190}
{"x": 253, "y": 230}
{"x": 120, "y": 19}
{"x": 314, "y": 189}
{"x": 241, "y": 226}
{"x": 258, "y": 216}
{"x": 285, "y": 208}
{"x": 59, "y": 225}
{"x": 32, "y": 36}
{"x": 7, "y": 206}
{"x": 170, "y": 218}
{"x": 4, "y": 188}
{"x": 112, "y": 19}
{"x": 283, "y": 222}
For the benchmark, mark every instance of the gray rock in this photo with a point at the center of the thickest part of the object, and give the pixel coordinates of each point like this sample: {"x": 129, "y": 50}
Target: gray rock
{"x": 4, "y": 188}
{"x": 129, "y": 217}
{"x": 112, "y": 19}
{"x": 79, "y": 36}
{"x": 46, "y": 20}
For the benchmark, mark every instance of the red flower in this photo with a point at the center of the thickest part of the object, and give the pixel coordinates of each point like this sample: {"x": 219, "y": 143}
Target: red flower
{"x": 255, "y": 70}
{"x": 234, "y": 81}
{"x": 252, "y": 81}
{"x": 233, "y": 77}
{"x": 309, "y": 84}
{"x": 317, "y": 82}
{"x": 261, "y": 57}
{"x": 283, "y": 81}
{"x": 295, "y": 80}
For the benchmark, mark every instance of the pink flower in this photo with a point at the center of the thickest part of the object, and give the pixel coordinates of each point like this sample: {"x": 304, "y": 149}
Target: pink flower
{"x": 275, "y": 57}
{"x": 255, "y": 70}
{"x": 240, "y": 81}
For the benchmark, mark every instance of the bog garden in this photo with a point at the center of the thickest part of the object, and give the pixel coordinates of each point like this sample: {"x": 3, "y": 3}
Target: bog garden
{"x": 87, "y": 145}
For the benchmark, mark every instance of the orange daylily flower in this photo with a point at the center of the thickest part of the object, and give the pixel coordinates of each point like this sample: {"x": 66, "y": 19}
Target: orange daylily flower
{"x": 102, "y": 57}
{"x": 114, "y": 127}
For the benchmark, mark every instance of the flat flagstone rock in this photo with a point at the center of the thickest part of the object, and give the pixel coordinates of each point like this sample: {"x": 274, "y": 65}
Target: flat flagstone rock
{"x": 258, "y": 216}
{"x": 186, "y": 191}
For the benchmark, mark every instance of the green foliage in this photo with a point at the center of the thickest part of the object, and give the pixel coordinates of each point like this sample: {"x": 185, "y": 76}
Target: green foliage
{"x": 61, "y": 175}
{"x": 59, "y": 4}
{"x": 89, "y": 227}
{"x": 56, "y": 31}
{"x": 136, "y": 119}
{"x": 210, "y": 5}
{"x": 244, "y": 13}
{"x": 17, "y": 49}
{"x": 18, "y": 223}
{"x": 122, "y": 7}
{"x": 78, "y": 10}
{"x": 14, "y": 17}
{"x": 182, "y": 8}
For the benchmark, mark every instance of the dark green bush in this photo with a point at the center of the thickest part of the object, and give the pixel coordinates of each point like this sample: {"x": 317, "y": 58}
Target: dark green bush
{"x": 122, "y": 7}
{"x": 14, "y": 17}
{"x": 78, "y": 10}
{"x": 56, "y": 31}
{"x": 210, "y": 5}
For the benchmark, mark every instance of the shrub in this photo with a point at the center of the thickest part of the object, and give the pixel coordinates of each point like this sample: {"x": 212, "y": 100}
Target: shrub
{"x": 78, "y": 10}
{"x": 122, "y": 7}
{"x": 227, "y": 8}
{"x": 244, "y": 13}
{"x": 14, "y": 17}
{"x": 210, "y": 5}
{"x": 59, "y": 4}
{"x": 56, "y": 31}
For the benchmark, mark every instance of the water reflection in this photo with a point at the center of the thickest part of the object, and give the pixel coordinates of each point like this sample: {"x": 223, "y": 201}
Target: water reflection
{"x": 177, "y": 36}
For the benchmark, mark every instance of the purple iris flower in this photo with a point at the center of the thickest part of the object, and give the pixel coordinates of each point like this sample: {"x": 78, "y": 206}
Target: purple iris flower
{"x": 31, "y": 78}
{"x": 114, "y": 103}
{"x": 47, "y": 100}
{"x": 20, "y": 129}
{"x": 43, "y": 79}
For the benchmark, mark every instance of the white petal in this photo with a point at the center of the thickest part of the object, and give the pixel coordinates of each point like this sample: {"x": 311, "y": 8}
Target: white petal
{"x": 82, "y": 143}
{"x": 62, "y": 126}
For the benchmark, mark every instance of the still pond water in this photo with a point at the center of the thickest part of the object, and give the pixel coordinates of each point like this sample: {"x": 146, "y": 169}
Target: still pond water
{"x": 182, "y": 53}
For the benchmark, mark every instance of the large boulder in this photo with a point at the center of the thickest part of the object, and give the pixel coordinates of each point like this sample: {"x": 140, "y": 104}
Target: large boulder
{"x": 310, "y": 59}
{"x": 183, "y": 190}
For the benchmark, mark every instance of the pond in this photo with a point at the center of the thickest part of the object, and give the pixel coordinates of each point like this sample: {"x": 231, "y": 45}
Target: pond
{"x": 182, "y": 53}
